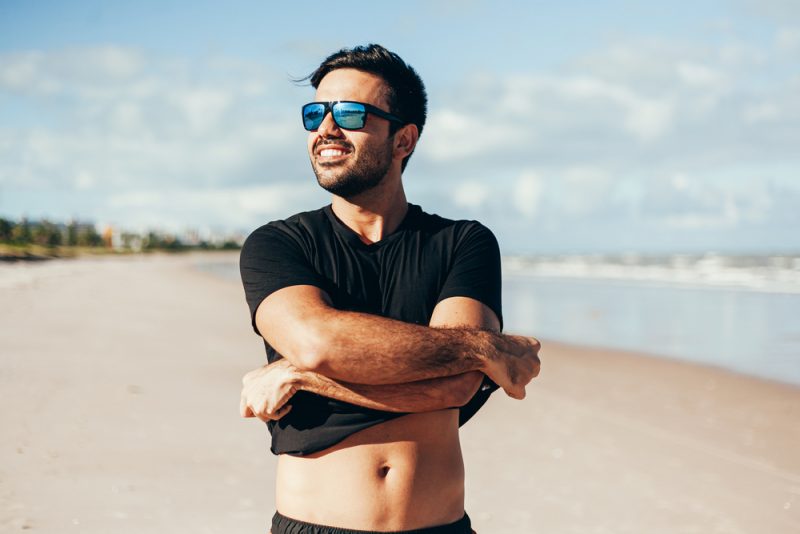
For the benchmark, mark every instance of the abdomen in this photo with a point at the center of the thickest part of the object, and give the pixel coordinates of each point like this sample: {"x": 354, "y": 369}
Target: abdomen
{"x": 404, "y": 474}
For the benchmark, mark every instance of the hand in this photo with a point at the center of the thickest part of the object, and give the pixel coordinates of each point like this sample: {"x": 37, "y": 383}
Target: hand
{"x": 515, "y": 364}
{"x": 267, "y": 390}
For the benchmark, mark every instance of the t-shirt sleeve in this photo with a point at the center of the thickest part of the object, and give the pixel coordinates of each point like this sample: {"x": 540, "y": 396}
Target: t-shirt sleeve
{"x": 273, "y": 258}
{"x": 476, "y": 273}
{"x": 475, "y": 269}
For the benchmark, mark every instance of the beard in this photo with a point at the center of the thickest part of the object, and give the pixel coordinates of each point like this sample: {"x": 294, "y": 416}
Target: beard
{"x": 350, "y": 179}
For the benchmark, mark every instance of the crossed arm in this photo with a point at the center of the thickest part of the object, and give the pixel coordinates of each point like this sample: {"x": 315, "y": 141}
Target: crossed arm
{"x": 382, "y": 363}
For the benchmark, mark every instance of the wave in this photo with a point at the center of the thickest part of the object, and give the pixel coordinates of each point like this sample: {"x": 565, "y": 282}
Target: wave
{"x": 776, "y": 273}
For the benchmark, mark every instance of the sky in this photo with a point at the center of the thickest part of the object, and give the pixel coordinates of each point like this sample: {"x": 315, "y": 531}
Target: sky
{"x": 566, "y": 127}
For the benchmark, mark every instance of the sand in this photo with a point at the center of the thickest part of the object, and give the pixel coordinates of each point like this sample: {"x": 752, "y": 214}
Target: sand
{"x": 119, "y": 391}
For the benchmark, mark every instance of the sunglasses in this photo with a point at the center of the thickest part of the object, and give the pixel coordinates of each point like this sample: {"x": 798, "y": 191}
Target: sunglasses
{"x": 346, "y": 115}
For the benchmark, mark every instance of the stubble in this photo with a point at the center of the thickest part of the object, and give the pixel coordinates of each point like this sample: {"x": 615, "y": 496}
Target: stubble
{"x": 361, "y": 172}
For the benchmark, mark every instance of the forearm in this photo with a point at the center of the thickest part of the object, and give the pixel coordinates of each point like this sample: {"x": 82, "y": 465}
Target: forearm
{"x": 359, "y": 348}
{"x": 413, "y": 397}
{"x": 368, "y": 349}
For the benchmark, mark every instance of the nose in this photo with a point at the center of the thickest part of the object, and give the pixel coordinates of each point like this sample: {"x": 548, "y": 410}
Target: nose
{"x": 329, "y": 128}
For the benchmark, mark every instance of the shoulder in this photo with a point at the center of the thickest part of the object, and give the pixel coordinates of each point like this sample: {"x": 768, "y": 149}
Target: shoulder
{"x": 298, "y": 228}
{"x": 306, "y": 221}
{"x": 455, "y": 230}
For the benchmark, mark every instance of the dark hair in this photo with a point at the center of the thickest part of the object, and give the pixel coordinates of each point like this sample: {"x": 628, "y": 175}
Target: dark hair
{"x": 406, "y": 92}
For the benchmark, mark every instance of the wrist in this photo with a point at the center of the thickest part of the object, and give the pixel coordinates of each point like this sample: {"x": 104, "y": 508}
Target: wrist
{"x": 291, "y": 374}
{"x": 483, "y": 349}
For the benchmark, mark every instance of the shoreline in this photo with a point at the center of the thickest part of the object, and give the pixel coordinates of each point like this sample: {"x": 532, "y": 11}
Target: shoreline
{"x": 120, "y": 383}
{"x": 793, "y": 381}
{"x": 41, "y": 253}
{"x": 195, "y": 260}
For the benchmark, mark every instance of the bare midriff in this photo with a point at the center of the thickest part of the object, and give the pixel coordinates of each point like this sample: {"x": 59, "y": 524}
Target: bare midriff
{"x": 404, "y": 474}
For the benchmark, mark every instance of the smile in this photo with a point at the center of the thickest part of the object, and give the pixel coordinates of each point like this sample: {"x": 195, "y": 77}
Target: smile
{"x": 331, "y": 152}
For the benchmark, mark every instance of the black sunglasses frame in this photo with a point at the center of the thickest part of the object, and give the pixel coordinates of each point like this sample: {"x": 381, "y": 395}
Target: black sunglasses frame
{"x": 368, "y": 108}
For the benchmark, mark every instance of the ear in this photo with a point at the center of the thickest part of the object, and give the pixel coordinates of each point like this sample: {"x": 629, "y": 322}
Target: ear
{"x": 405, "y": 140}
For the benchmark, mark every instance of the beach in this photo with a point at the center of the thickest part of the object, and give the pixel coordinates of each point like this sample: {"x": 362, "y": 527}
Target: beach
{"x": 120, "y": 381}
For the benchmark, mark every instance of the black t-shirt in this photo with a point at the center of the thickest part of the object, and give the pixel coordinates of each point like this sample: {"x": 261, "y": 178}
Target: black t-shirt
{"x": 403, "y": 276}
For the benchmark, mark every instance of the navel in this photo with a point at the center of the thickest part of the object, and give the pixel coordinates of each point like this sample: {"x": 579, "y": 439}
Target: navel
{"x": 383, "y": 471}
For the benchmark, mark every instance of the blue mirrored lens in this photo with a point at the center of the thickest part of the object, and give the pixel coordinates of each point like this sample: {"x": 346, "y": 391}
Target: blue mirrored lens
{"x": 313, "y": 115}
{"x": 349, "y": 115}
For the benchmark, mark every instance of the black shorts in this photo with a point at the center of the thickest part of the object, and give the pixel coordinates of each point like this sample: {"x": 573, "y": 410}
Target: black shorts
{"x": 285, "y": 525}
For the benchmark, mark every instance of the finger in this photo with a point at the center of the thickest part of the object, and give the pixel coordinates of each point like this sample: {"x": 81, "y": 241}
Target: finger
{"x": 265, "y": 415}
{"x": 283, "y": 411}
{"x": 246, "y": 411}
{"x": 262, "y": 411}
{"x": 264, "y": 418}
{"x": 515, "y": 392}
{"x": 245, "y": 408}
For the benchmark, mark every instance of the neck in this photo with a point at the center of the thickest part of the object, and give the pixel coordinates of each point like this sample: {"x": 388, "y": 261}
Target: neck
{"x": 373, "y": 214}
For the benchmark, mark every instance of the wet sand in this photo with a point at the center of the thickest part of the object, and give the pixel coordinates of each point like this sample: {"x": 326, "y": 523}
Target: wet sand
{"x": 119, "y": 390}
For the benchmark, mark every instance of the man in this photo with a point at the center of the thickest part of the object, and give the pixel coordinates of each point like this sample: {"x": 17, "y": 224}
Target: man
{"x": 381, "y": 322}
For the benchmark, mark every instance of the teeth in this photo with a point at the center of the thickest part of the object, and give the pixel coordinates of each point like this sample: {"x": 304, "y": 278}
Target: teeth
{"x": 331, "y": 152}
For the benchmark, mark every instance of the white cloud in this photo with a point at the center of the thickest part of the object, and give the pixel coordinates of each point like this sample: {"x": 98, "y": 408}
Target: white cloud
{"x": 638, "y": 137}
{"x": 79, "y": 70}
{"x": 788, "y": 39}
{"x": 649, "y": 119}
{"x": 584, "y": 190}
{"x": 646, "y": 118}
{"x": 240, "y": 207}
{"x": 633, "y": 131}
{"x": 202, "y": 108}
{"x": 763, "y": 111}
{"x": 103, "y": 63}
{"x": 588, "y": 99}
{"x": 527, "y": 193}
{"x": 690, "y": 201}
{"x": 471, "y": 194}
{"x": 452, "y": 135}
{"x": 697, "y": 74}
{"x": 727, "y": 217}
{"x": 21, "y": 72}
{"x": 130, "y": 120}
{"x": 136, "y": 199}
{"x": 680, "y": 181}
{"x": 127, "y": 117}
{"x": 779, "y": 10}
{"x": 84, "y": 180}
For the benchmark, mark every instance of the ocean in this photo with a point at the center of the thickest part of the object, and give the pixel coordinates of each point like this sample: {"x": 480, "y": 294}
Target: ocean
{"x": 741, "y": 313}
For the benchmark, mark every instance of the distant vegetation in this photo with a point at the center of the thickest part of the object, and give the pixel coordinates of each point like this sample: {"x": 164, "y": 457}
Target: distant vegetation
{"x": 43, "y": 238}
